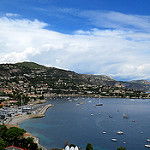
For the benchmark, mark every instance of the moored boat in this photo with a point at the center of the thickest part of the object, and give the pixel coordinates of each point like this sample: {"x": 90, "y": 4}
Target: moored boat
{"x": 119, "y": 132}
{"x": 147, "y": 145}
{"x": 114, "y": 140}
{"x": 99, "y": 104}
{"x": 125, "y": 116}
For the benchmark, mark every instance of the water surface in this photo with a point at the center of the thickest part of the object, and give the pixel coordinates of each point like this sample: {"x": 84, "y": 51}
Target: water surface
{"x": 74, "y": 123}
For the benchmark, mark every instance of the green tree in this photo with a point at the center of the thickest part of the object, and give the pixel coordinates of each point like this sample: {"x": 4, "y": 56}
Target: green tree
{"x": 13, "y": 134}
{"x": 2, "y": 144}
{"x": 121, "y": 148}
{"x": 3, "y": 130}
{"x": 89, "y": 146}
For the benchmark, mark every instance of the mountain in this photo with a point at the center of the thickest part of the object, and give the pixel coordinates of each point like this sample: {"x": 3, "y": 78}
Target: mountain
{"x": 59, "y": 78}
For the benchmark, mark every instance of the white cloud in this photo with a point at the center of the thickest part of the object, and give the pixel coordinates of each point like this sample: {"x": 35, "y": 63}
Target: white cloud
{"x": 12, "y": 15}
{"x": 117, "y": 20}
{"x": 109, "y": 52}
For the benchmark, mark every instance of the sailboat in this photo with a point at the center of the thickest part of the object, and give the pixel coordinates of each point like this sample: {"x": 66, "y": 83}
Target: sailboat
{"x": 99, "y": 104}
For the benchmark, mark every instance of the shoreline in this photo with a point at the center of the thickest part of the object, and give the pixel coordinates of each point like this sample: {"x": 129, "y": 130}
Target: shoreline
{"x": 92, "y": 96}
{"x": 18, "y": 119}
{"x": 15, "y": 121}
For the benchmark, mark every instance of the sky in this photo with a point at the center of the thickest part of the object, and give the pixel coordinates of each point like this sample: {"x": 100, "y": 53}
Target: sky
{"x": 105, "y": 37}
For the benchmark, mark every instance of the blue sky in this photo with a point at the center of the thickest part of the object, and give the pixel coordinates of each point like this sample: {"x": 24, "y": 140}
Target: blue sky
{"x": 110, "y": 37}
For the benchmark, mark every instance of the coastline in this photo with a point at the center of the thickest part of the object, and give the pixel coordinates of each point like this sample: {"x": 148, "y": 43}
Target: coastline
{"x": 14, "y": 121}
{"x": 18, "y": 119}
{"x": 91, "y": 95}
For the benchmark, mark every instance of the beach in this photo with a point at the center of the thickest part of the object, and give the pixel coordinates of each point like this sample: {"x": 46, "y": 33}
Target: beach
{"x": 17, "y": 119}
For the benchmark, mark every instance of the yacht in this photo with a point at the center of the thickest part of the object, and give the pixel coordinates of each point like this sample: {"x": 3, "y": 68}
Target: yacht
{"x": 148, "y": 140}
{"x": 147, "y": 145}
{"x": 114, "y": 140}
{"x": 119, "y": 132}
{"x": 99, "y": 104}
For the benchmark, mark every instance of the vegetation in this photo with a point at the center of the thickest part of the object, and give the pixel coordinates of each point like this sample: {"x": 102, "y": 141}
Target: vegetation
{"x": 89, "y": 146}
{"x": 121, "y": 148}
{"x": 14, "y": 136}
{"x": 30, "y": 81}
{"x": 30, "y": 65}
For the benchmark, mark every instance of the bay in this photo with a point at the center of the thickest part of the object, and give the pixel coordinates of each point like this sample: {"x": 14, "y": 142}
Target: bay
{"x": 70, "y": 121}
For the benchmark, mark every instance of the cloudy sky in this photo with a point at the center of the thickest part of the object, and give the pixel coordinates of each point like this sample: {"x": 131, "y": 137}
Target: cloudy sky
{"x": 110, "y": 37}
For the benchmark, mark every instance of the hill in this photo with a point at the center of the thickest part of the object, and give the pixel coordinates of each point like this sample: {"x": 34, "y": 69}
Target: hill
{"x": 34, "y": 79}
{"x": 30, "y": 65}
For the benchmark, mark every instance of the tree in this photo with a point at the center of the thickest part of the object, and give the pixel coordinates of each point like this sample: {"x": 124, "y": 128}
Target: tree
{"x": 89, "y": 146}
{"x": 3, "y": 130}
{"x": 121, "y": 148}
{"x": 13, "y": 134}
{"x": 2, "y": 144}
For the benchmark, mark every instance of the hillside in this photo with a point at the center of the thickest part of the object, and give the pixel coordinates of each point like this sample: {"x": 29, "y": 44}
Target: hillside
{"x": 30, "y": 65}
{"x": 34, "y": 79}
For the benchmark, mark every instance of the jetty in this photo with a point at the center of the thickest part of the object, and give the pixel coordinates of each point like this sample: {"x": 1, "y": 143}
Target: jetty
{"x": 43, "y": 111}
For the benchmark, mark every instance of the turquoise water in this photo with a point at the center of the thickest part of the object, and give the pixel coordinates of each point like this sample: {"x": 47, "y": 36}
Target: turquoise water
{"x": 74, "y": 123}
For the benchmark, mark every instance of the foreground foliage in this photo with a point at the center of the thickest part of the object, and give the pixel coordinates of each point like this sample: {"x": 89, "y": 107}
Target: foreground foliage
{"x": 14, "y": 136}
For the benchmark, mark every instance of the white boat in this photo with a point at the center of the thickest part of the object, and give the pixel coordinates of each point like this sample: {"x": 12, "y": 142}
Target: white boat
{"x": 119, "y": 132}
{"x": 92, "y": 114}
{"x": 114, "y": 140}
{"x": 99, "y": 104}
{"x": 147, "y": 145}
{"x": 77, "y": 104}
{"x": 104, "y": 132}
{"x": 148, "y": 140}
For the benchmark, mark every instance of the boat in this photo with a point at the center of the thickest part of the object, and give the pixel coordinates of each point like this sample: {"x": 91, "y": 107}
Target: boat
{"x": 133, "y": 120}
{"x": 148, "y": 140}
{"x": 99, "y": 104}
{"x": 104, "y": 132}
{"x": 119, "y": 132}
{"x": 114, "y": 140}
{"x": 92, "y": 114}
{"x": 81, "y": 103}
{"x": 77, "y": 104}
{"x": 147, "y": 145}
{"x": 125, "y": 116}
{"x": 110, "y": 116}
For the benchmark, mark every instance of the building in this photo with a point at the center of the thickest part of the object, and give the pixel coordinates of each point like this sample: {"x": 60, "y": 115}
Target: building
{"x": 13, "y": 148}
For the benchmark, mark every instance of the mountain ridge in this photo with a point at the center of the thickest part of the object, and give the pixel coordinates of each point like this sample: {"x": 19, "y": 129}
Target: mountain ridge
{"x": 57, "y": 74}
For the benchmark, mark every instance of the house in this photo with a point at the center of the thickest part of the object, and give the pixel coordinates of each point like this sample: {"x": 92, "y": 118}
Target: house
{"x": 13, "y": 148}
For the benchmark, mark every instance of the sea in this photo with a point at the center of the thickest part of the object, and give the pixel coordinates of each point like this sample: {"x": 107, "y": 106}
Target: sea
{"x": 77, "y": 120}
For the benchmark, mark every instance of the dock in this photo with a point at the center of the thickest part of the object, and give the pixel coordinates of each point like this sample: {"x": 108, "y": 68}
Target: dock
{"x": 43, "y": 111}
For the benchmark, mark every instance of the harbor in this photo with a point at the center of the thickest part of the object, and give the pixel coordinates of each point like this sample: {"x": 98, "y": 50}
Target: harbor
{"x": 64, "y": 121}
{"x": 13, "y": 116}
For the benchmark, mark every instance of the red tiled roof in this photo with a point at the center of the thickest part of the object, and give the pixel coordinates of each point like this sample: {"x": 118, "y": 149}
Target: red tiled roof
{"x": 13, "y": 148}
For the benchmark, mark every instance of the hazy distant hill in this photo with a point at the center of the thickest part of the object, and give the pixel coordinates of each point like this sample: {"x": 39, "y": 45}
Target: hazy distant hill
{"x": 36, "y": 73}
